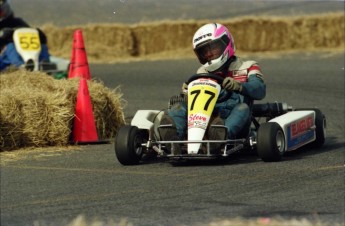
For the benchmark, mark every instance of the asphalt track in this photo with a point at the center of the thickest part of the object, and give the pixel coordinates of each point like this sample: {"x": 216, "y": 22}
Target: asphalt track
{"x": 52, "y": 188}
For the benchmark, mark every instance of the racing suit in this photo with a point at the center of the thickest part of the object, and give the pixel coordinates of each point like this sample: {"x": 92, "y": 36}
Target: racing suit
{"x": 236, "y": 110}
{"x": 6, "y": 29}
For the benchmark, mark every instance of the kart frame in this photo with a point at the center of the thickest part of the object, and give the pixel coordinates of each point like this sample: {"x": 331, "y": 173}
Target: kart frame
{"x": 268, "y": 139}
{"x": 284, "y": 129}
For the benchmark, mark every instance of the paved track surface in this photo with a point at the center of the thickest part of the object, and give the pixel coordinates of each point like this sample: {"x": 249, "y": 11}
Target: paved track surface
{"x": 52, "y": 188}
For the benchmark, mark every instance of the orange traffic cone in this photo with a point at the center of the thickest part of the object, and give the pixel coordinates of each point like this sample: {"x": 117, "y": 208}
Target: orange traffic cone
{"x": 79, "y": 66}
{"x": 84, "y": 128}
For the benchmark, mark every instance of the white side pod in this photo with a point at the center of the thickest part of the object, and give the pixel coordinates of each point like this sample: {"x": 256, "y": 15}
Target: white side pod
{"x": 299, "y": 128}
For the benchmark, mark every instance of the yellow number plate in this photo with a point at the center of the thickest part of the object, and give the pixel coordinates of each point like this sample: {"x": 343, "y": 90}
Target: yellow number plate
{"x": 202, "y": 98}
{"x": 29, "y": 41}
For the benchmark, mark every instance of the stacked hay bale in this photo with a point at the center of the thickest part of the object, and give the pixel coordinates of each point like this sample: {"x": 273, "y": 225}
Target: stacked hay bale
{"x": 110, "y": 41}
{"x": 252, "y": 34}
{"x": 37, "y": 110}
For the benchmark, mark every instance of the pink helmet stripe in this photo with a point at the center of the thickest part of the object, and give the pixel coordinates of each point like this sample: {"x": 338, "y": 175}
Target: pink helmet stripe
{"x": 219, "y": 31}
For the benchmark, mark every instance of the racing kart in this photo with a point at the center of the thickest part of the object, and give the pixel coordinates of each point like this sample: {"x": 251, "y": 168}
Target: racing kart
{"x": 276, "y": 128}
{"x": 28, "y": 45}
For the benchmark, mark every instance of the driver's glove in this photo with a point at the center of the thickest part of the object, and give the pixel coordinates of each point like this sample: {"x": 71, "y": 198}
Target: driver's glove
{"x": 230, "y": 84}
{"x": 184, "y": 88}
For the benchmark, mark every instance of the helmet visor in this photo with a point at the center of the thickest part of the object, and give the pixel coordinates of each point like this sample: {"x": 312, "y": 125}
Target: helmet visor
{"x": 210, "y": 50}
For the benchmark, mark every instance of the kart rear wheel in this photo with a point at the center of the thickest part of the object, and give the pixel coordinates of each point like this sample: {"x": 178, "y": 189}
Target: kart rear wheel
{"x": 320, "y": 123}
{"x": 128, "y": 145}
{"x": 270, "y": 142}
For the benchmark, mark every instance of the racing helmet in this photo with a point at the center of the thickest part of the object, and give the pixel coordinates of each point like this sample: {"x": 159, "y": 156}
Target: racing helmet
{"x": 213, "y": 44}
{"x": 5, "y": 9}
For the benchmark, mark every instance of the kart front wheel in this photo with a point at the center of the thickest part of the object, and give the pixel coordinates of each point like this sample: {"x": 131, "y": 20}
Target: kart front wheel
{"x": 128, "y": 145}
{"x": 270, "y": 142}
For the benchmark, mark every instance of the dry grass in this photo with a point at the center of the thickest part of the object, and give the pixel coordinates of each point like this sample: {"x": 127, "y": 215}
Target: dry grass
{"x": 109, "y": 43}
{"x": 36, "y": 110}
{"x": 35, "y": 153}
{"x": 266, "y": 221}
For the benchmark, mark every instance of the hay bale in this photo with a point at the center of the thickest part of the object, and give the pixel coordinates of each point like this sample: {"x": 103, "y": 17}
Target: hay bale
{"x": 111, "y": 42}
{"x": 101, "y": 41}
{"x": 37, "y": 110}
{"x": 163, "y": 36}
{"x": 11, "y": 123}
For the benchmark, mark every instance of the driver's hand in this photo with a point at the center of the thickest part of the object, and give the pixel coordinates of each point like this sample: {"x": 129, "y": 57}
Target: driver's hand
{"x": 230, "y": 84}
{"x": 184, "y": 88}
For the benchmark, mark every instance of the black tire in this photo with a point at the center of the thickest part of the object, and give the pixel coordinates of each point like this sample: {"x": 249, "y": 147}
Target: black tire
{"x": 320, "y": 123}
{"x": 270, "y": 142}
{"x": 128, "y": 148}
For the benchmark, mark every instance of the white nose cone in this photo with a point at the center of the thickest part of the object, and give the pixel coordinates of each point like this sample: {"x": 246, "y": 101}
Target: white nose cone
{"x": 202, "y": 97}
{"x": 195, "y": 134}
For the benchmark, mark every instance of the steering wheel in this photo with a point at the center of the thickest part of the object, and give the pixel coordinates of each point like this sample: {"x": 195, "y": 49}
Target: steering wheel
{"x": 217, "y": 78}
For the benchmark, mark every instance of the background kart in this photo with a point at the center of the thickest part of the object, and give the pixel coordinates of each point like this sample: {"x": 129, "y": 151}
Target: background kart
{"x": 275, "y": 128}
{"x": 28, "y": 45}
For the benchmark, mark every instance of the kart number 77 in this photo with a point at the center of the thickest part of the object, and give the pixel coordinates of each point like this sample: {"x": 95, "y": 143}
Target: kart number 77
{"x": 203, "y": 99}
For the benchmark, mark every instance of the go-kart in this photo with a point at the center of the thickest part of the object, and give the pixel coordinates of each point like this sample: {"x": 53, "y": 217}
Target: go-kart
{"x": 284, "y": 129}
{"x": 28, "y": 45}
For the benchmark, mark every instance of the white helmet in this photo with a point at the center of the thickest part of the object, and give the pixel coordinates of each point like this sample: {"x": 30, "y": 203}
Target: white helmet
{"x": 213, "y": 45}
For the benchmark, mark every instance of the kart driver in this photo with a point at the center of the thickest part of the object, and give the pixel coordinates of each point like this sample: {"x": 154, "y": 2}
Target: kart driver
{"x": 214, "y": 46}
{"x": 8, "y": 22}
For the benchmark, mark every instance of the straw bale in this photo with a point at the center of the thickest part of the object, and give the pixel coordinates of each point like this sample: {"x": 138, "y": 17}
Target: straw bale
{"x": 258, "y": 34}
{"x": 37, "y": 110}
{"x": 163, "y": 36}
{"x": 11, "y": 123}
{"x": 108, "y": 42}
{"x": 101, "y": 41}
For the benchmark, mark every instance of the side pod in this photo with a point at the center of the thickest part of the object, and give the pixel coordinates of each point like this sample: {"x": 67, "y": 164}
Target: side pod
{"x": 147, "y": 119}
{"x": 299, "y": 128}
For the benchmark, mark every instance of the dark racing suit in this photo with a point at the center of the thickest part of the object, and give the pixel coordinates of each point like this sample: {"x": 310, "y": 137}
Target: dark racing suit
{"x": 236, "y": 110}
{"x": 6, "y": 29}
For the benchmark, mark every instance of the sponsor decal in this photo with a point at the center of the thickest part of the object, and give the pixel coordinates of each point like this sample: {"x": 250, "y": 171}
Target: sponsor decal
{"x": 300, "y": 132}
{"x": 197, "y": 121}
{"x": 206, "y": 83}
{"x": 197, "y": 124}
{"x": 300, "y": 127}
{"x": 239, "y": 75}
{"x": 196, "y": 117}
{"x": 202, "y": 36}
